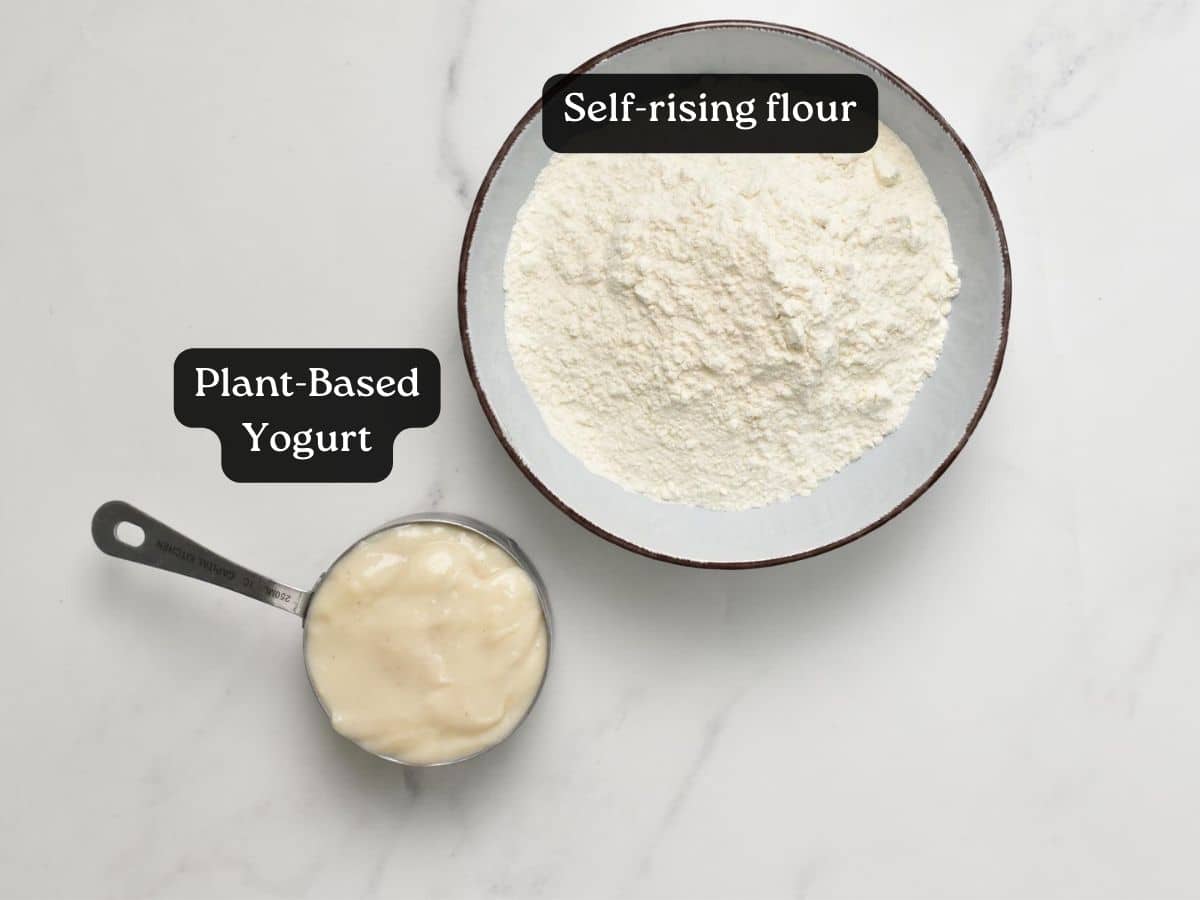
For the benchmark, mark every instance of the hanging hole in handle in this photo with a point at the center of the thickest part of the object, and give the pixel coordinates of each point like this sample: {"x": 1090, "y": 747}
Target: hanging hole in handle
{"x": 129, "y": 534}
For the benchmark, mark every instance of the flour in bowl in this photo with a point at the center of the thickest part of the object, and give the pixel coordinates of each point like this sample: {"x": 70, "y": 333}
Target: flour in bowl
{"x": 727, "y": 330}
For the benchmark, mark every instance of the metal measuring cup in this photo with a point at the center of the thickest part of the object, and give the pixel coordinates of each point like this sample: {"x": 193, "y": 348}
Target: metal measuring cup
{"x": 161, "y": 547}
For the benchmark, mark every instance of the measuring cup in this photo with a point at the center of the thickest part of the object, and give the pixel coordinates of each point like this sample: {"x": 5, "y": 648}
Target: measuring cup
{"x": 162, "y": 547}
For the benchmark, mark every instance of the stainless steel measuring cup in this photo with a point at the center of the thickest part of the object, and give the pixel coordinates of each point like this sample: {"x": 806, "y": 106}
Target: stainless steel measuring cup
{"x": 161, "y": 547}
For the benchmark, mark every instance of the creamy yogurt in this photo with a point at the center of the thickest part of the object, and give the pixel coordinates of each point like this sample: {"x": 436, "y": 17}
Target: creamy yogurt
{"x": 426, "y": 643}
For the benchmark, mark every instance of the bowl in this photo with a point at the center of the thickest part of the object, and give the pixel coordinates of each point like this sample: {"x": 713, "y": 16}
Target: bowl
{"x": 869, "y": 492}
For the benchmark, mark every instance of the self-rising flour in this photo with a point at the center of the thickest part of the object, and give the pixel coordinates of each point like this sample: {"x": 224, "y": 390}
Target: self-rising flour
{"x": 727, "y": 330}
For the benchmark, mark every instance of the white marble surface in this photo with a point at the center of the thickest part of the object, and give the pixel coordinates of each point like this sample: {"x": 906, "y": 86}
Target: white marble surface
{"x": 996, "y": 695}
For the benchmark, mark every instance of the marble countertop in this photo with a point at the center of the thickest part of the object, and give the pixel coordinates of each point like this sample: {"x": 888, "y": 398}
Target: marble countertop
{"x": 995, "y": 695}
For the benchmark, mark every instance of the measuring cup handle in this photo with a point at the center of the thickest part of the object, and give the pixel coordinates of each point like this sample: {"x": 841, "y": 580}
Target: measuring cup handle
{"x": 164, "y": 548}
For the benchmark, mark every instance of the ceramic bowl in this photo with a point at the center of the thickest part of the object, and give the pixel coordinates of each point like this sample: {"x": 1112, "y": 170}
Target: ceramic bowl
{"x": 865, "y": 494}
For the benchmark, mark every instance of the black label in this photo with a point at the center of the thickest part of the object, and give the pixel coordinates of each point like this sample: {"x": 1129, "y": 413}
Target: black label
{"x": 710, "y": 113}
{"x": 307, "y": 415}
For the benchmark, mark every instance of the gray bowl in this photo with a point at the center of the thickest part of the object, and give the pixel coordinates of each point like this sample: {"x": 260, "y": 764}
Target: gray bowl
{"x": 865, "y": 494}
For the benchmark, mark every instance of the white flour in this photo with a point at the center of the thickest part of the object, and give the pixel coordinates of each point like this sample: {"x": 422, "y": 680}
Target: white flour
{"x": 727, "y": 330}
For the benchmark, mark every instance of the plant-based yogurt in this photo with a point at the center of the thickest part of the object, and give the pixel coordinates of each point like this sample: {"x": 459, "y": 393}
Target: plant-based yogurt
{"x": 426, "y": 643}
